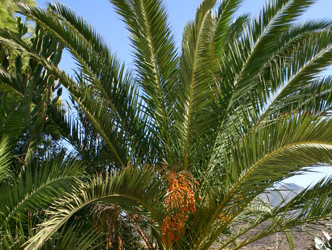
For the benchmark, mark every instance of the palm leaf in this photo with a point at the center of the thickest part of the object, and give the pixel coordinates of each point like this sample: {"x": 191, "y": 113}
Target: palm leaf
{"x": 155, "y": 60}
{"x": 224, "y": 27}
{"x": 112, "y": 82}
{"x": 297, "y": 142}
{"x": 75, "y": 237}
{"x": 130, "y": 187}
{"x": 312, "y": 205}
{"x": 195, "y": 96}
{"x": 37, "y": 187}
{"x": 4, "y": 160}
{"x": 244, "y": 57}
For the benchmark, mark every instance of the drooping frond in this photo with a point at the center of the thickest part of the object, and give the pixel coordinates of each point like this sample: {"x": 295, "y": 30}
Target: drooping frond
{"x": 268, "y": 156}
{"x": 131, "y": 187}
{"x": 76, "y": 238}
{"x": 37, "y": 187}
{"x": 312, "y": 205}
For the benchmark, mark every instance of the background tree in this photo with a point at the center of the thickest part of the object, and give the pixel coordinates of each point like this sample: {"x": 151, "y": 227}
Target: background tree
{"x": 29, "y": 94}
{"x": 34, "y": 170}
{"x": 7, "y": 11}
{"x": 8, "y": 21}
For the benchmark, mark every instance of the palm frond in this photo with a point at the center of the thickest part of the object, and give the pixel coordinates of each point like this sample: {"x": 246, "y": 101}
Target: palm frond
{"x": 114, "y": 84}
{"x": 244, "y": 57}
{"x": 4, "y": 160}
{"x": 195, "y": 96}
{"x": 130, "y": 187}
{"x": 156, "y": 62}
{"x": 312, "y": 205}
{"x": 276, "y": 152}
{"x": 314, "y": 97}
{"x": 307, "y": 61}
{"x": 76, "y": 238}
{"x": 37, "y": 187}
{"x": 225, "y": 27}
{"x": 250, "y": 102}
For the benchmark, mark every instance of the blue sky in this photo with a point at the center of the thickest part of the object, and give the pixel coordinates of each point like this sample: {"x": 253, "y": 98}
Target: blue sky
{"x": 102, "y": 16}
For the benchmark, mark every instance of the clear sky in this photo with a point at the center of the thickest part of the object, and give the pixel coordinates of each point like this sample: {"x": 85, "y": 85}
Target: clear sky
{"x": 101, "y": 15}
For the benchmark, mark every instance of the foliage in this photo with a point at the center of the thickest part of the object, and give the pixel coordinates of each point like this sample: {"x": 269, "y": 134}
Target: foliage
{"x": 31, "y": 176}
{"x": 7, "y": 11}
{"x": 191, "y": 138}
{"x": 321, "y": 243}
{"x": 9, "y": 21}
{"x": 30, "y": 96}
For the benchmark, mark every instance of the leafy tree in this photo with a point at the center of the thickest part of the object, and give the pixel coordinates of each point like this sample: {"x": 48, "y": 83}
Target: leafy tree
{"x": 7, "y": 11}
{"x": 8, "y": 21}
{"x": 193, "y": 137}
{"x": 30, "y": 96}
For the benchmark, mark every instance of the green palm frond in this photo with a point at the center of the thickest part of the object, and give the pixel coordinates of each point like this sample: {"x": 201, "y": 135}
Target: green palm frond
{"x": 268, "y": 156}
{"x": 270, "y": 84}
{"x": 4, "y": 160}
{"x": 131, "y": 187}
{"x": 312, "y": 205}
{"x": 12, "y": 119}
{"x": 242, "y": 61}
{"x": 37, "y": 187}
{"x": 69, "y": 237}
{"x": 112, "y": 81}
{"x": 225, "y": 29}
{"x": 195, "y": 96}
{"x": 8, "y": 84}
{"x": 76, "y": 238}
{"x": 156, "y": 63}
{"x": 306, "y": 62}
{"x": 114, "y": 87}
{"x": 85, "y": 141}
{"x": 314, "y": 97}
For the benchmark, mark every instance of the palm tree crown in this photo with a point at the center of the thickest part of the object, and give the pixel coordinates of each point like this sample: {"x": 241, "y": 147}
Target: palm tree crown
{"x": 238, "y": 108}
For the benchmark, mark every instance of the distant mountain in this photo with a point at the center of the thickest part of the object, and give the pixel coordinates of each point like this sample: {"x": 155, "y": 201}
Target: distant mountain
{"x": 286, "y": 192}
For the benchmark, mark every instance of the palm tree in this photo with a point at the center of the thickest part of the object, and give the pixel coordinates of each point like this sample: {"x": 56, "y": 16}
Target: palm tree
{"x": 192, "y": 138}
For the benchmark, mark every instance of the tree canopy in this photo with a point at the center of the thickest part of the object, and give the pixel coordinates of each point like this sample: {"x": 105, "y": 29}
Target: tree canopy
{"x": 182, "y": 146}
